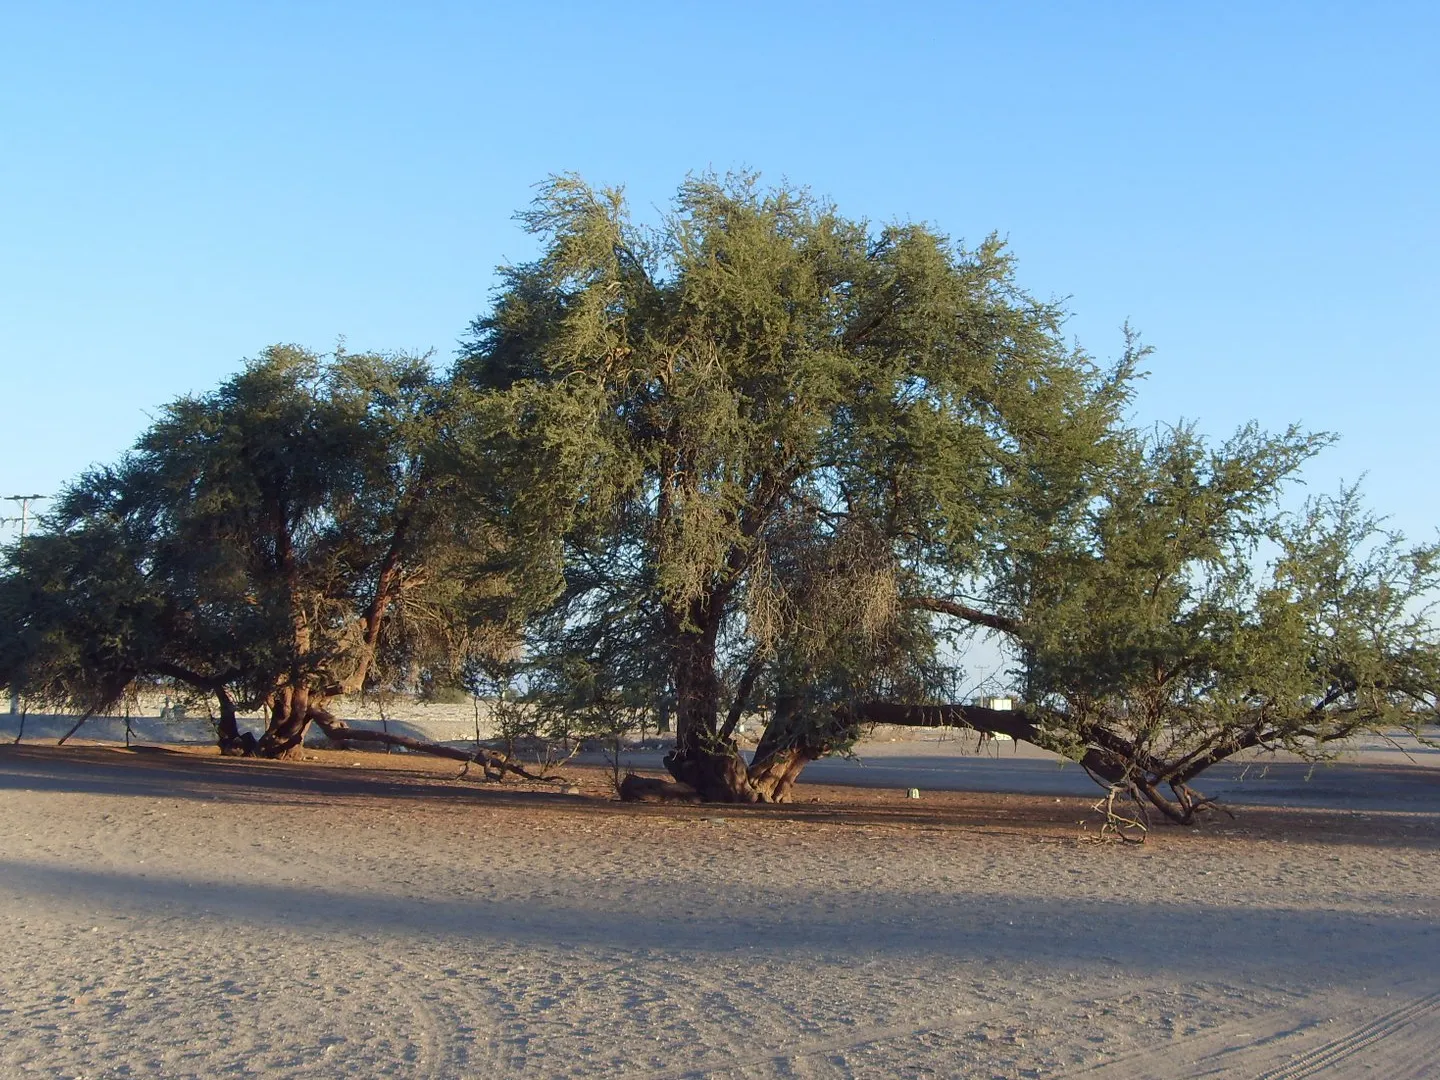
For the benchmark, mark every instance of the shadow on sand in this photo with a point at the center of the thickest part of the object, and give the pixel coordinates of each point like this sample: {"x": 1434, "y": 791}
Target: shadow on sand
{"x": 155, "y": 772}
{"x": 1184, "y": 939}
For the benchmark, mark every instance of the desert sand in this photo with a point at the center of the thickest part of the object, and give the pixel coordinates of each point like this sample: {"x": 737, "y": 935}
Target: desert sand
{"x": 167, "y": 913}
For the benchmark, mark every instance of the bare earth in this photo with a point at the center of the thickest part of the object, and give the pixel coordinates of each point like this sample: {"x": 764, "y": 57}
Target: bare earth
{"x": 170, "y": 914}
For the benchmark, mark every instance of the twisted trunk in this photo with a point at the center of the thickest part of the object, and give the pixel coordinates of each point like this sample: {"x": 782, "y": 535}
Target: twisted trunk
{"x": 703, "y": 758}
{"x": 791, "y": 742}
{"x": 773, "y": 776}
{"x": 290, "y": 702}
{"x": 290, "y": 715}
{"x": 233, "y": 742}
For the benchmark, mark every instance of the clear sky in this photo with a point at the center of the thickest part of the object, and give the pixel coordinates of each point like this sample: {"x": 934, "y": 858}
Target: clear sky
{"x": 1253, "y": 185}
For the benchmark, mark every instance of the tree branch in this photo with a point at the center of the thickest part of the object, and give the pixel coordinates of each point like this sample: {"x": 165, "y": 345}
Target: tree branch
{"x": 492, "y": 760}
{"x": 1103, "y": 760}
{"x": 969, "y": 614}
{"x": 208, "y": 683}
{"x": 742, "y": 695}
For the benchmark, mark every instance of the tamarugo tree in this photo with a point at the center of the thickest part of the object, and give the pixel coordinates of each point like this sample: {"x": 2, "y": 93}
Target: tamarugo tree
{"x": 1184, "y": 615}
{"x": 777, "y": 461}
{"x": 757, "y": 442}
{"x": 759, "y": 460}
{"x": 272, "y": 544}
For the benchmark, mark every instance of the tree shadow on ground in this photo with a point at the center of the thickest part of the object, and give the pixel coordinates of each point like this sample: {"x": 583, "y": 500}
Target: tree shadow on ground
{"x": 1184, "y": 940}
{"x": 154, "y": 772}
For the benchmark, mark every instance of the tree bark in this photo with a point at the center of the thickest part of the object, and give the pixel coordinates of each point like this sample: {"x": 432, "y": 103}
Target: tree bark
{"x": 975, "y": 616}
{"x": 387, "y": 586}
{"x": 233, "y": 742}
{"x": 788, "y": 745}
{"x": 490, "y": 759}
{"x": 774, "y": 777}
{"x": 291, "y": 702}
{"x": 715, "y": 773}
{"x": 290, "y": 714}
{"x": 1109, "y": 758}
{"x": 702, "y": 758}
{"x": 742, "y": 696}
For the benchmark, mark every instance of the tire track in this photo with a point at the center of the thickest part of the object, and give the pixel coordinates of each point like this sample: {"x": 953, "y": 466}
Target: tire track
{"x": 789, "y": 1049}
{"x": 1338, "y": 1050}
{"x": 809, "y": 1048}
{"x": 1229, "y": 1051}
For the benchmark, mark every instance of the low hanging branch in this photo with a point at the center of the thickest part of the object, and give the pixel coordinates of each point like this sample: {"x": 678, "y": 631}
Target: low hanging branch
{"x": 1110, "y": 759}
{"x": 111, "y": 691}
{"x": 495, "y": 763}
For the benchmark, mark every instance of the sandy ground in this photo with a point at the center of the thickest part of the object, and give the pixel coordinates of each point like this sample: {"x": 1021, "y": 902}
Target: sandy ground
{"x": 170, "y": 914}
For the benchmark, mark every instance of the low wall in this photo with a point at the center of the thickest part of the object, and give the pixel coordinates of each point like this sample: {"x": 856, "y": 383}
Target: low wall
{"x": 153, "y": 720}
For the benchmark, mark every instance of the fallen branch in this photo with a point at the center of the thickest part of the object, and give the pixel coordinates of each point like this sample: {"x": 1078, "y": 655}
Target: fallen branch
{"x": 496, "y": 764}
{"x": 1128, "y": 828}
{"x": 74, "y": 729}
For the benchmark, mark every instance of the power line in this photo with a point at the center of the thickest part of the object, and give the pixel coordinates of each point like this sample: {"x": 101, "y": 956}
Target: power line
{"x": 24, "y": 519}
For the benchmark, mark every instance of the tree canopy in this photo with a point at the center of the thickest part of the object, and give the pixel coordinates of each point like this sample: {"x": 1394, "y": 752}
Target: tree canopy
{"x": 760, "y": 433}
{"x": 275, "y": 542}
{"x": 757, "y": 460}
{"x": 1185, "y": 616}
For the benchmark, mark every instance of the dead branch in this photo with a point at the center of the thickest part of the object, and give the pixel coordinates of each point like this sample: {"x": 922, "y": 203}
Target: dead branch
{"x": 74, "y": 729}
{"x": 1195, "y": 801}
{"x": 495, "y": 764}
{"x": 1131, "y": 828}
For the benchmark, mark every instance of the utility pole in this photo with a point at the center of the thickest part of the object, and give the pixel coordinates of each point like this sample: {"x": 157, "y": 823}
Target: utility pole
{"x": 23, "y": 521}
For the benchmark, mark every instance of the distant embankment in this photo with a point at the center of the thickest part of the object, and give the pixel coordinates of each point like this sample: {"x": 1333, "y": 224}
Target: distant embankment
{"x": 153, "y": 720}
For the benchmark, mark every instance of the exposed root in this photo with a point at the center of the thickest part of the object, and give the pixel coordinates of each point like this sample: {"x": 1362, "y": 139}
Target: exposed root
{"x": 648, "y": 789}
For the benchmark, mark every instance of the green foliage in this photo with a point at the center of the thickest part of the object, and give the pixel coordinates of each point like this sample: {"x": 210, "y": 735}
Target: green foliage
{"x": 78, "y": 615}
{"x": 1184, "y": 616}
{"x": 757, "y": 457}
{"x": 289, "y": 531}
{"x": 738, "y": 437}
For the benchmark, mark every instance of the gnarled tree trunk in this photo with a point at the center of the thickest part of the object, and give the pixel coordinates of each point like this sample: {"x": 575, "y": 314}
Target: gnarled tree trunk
{"x": 791, "y": 742}
{"x": 290, "y": 708}
{"x": 773, "y": 776}
{"x": 233, "y": 742}
{"x": 704, "y": 758}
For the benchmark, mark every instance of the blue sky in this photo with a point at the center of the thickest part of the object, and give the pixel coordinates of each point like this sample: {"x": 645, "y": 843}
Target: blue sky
{"x": 1252, "y": 185}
